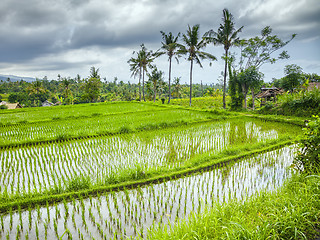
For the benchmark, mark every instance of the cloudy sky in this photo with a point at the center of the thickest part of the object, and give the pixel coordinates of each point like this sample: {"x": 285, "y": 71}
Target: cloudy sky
{"x": 45, "y": 38}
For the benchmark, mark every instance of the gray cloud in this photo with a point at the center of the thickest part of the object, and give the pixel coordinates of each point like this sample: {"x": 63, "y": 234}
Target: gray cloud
{"x": 49, "y": 32}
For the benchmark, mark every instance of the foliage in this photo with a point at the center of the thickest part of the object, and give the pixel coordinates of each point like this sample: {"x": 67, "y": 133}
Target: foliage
{"x": 250, "y": 78}
{"x": 156, "y": 79}
{"x": 140, "y": 65}
{"x": 293, "y": 77}
{"x": 302, "y": 103}
{"x": 308, "y": 157}
{"x": 227, "y": 36}
{"x": 292, "y": 212}
{"x": 91, "y": 89}
{"x": 192, "y": 48}
{"x": 257, "y": 51}
{"x": 170, "y": 47}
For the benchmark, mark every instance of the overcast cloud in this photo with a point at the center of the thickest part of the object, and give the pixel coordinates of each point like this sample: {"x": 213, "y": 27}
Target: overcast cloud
{"x": 46, "y": 38}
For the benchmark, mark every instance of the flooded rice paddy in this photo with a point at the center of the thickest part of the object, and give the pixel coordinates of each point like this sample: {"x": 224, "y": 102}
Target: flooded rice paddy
{"x": 131, "y": 212}
{"x": 43, "y": 167}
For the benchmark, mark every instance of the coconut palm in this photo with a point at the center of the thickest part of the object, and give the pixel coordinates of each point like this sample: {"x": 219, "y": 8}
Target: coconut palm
{"x": 169, "y": 46}
{"x": 156, "y": 78}
{"x": 65, "y": 85}
{"x": 36, "y": 88}
{"x": 136, "y": 70}
{"x": 192, "y": 47}
{"x": 227, "y": 36}
{"x": 141, "y": 64}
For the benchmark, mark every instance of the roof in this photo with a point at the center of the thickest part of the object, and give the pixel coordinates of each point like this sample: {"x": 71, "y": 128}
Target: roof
{"x": 13, "y": 105}
{"x": 269, "y": 92}
{"x": 313, "y": 85}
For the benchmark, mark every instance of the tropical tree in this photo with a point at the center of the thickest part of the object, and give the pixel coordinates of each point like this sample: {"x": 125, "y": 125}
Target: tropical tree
{"x": 257, "y": 51}
{"x": 250, "y": 79}
{"x": 36, "y": 89}
{"x": 227, "y": 35}
{"x": 192, "y": 47}
{"x": 140, "y": 64}
{"x": 136, "y": 70}
{"x": 94, "y": 73}
{"x": 170, "y": 47}
{"x": 65, "y": 85}
{"x": 293, "y": 77}
{"x": 92, "y": 86}
{"x": 176, "y": 87}
{"x": 155, "y": 78}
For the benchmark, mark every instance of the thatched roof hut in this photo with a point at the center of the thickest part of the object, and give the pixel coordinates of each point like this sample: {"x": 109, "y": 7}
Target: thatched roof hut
{"x": 269, "y": 94}
{"x": 13, "y": 105}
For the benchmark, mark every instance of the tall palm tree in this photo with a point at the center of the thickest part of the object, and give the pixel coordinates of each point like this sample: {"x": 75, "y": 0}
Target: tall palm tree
{"x": 65, "y": 85}
{"x": 156, "y": 78}
{"x": 227, "y": 36}
{"x": 136, "y": 69}
{"x": 192, "y": 47}
{"x": 169, "y": 46}
{"x": 141, "y": 64}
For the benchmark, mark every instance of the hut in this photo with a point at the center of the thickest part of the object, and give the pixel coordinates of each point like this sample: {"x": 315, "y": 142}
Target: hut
{"x": 269, "y": 94}
{"x": 13, "y": 105}
{"x": 46, "y": 103}
{"x": 313, "y": 85}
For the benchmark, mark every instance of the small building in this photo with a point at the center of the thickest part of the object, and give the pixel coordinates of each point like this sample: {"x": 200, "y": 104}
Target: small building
{"x": 13, "y": 105}
{"x": 313, "y": 85}
{"x": 46, "y": 103}
{"x": 269, "y": 94}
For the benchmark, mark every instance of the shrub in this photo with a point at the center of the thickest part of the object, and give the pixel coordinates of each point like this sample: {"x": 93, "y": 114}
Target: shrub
{"x": 308, "y": 157}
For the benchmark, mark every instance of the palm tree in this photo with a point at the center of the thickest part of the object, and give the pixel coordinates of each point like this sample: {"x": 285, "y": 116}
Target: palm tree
{"x": 192, "y": 47}
{"x": 94, "y": 73}
{"x": 36, "y": 88}
{"x": 169, "y": 46}
{"x": 227, "y": 36}
{"x": 65, "y": 85}
{"x": 156, "y": 78}
{"x": 141, "y": 64}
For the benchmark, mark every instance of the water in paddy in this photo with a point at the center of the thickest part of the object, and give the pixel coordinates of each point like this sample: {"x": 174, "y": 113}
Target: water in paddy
{"x": 39, "y": 168}
{"x": 132, "y": 212}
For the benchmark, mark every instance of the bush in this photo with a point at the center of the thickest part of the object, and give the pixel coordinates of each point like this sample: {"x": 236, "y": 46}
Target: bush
{"x": 308, "y": 157}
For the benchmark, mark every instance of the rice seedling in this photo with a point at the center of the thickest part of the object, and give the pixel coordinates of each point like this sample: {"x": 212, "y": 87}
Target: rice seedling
{"x": 48, "y": 168}
{"x": 133, "y": 211}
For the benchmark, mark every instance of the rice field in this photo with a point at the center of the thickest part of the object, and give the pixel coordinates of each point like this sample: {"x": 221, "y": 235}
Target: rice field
{"x": 97, "y": 124}
{"x": 130, "y": 213}
{"x": 45, "y": 153}
{"x": 24, "y": 115}
{"x": 105, "y": 160}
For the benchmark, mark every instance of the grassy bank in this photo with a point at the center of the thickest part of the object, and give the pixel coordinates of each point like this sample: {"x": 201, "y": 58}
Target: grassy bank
{"x": 292, "y": 212}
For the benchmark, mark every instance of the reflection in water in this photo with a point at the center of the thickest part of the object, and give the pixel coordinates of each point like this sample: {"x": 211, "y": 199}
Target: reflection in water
{"x": 40, "y": 168}
{"x": 132, "y": 212}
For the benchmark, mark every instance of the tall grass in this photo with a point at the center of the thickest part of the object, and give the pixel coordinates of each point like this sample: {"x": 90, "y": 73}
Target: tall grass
{"x": 292, "y": 212}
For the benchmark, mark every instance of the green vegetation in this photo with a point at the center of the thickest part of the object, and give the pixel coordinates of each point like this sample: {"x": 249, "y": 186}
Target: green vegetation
{"x": 108, "y": 170}
{"x": 129, "y": 210}
{"x": 308, "y": 157}
{"x": 301, "y": 104}
{"x": 292, "y": 212}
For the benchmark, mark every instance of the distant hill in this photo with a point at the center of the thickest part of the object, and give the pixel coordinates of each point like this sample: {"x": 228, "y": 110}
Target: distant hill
{"x": 16, "y": 78}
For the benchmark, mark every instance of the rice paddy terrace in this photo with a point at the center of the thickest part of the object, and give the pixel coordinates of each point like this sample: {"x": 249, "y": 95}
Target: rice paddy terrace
{"x": 101, "y": 171}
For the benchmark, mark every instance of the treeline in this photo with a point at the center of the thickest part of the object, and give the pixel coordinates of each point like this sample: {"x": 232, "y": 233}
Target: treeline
{"x": 94, "y": 89}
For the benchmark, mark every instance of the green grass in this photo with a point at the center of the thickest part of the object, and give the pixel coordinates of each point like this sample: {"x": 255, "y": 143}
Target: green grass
{"x": 40, "y": 114}
{"x": 201, "y": 102}
{"x": 100, "y": 124}
{"x": 291, "y": 212}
